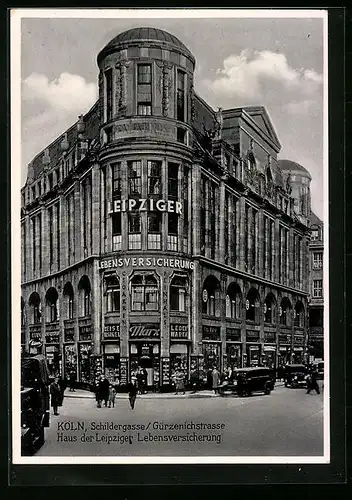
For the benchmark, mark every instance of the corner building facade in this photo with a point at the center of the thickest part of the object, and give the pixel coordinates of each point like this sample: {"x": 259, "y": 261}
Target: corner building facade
{"x": 159, "y": 233}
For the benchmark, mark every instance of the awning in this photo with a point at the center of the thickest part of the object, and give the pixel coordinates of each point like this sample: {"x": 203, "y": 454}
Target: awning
{"x": 178, "y": 349}
{"x": 112, "y": 349}
{"x": 298, "y": 348}
{"x": 271, "y": 348}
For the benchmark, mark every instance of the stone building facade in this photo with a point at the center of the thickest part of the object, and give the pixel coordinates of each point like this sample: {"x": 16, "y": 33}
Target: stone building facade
{"x": 158, "y": 232}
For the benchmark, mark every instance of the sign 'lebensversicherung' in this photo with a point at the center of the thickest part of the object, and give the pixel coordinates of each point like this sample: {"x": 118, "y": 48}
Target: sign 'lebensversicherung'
{"x": 145, "y": 262}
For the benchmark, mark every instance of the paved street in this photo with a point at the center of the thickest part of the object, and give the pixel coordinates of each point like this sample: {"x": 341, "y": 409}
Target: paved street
{"x": 285, "y": 423}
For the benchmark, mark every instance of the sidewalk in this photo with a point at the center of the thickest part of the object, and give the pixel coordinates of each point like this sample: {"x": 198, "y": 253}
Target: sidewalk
{"x": 80, "y": 393}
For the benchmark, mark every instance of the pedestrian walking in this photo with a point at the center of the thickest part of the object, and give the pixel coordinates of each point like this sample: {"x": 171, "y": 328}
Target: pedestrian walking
{"x": 98, "y": 392}
{"x": 215, "y": 379}
{"x": 112, "y": 396}
{"x": 105, "y": 391}
{"x": 194, "y": 381}
{"x": 56, "y": 395}
{"x": 72, "y": 381}
{"x": 312, "y": 383}
{"x": 132, "y": 392}
{"x": 179, "y": 381}
{"x": 140, "y": 381}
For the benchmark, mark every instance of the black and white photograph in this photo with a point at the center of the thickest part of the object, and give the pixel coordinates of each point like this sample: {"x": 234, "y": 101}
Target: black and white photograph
{"x": 170, "y": 236}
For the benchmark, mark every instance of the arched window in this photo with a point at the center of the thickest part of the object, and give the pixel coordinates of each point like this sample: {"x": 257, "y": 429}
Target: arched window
{"x": 34, "y": 302}
{"x": 299, "y": 315}
{"x": 68, "y": 300}
{"x": 178, "y": 291}
{"x": 112, "y": 287}
{"x": 253, "y": 306}
{"x": 233, "y": 301}
{"x": 84, "y": 295}
{"x": 269, "y": 308}
{"x": 285, "y": 312}
{"x": 211, "y": 296}
{"x": 144, "y": 293}
{"x": 52, "y": 313}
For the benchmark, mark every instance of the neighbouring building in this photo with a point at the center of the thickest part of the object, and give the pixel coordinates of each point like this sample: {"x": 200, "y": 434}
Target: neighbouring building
{"x": 157, "y": 232}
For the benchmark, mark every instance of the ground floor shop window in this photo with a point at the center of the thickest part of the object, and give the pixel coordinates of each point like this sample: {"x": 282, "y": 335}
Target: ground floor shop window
{"x": 70, "y": 360}
{"x": 146, "y": 355}
{"x": 84, "y": 362}
{"x": 211, "y": 353}
{"x": 52, "y": 354}
{"x": 269, "y": 357}
{"x": 284, "y": 356}
{"x": 233, "y": 357}
{"x": 179, "y": 360}
{"x": 253, "y": 355}
{"x": 298, "y": 356}
{"x": 112, "y": 363}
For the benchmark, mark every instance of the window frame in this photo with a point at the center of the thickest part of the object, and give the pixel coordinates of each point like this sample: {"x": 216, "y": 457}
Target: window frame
{"x": 143, "y": 291}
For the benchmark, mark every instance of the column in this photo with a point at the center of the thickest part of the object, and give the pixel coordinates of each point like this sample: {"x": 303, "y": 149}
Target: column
{"x": 181, "y": 217}
{"x": 77, "y": 224}
{"x": 249, "y": 234}
{"x": 207, "y": 251}
{"x": 28, "y": 248}
{"x": 291, "y": 263}
{"x": 63, "y": 232}
{"x": 55, "y": 249}
{"x": 196, "y": 331}
{"x": 96, "y": 213}
{"x": 124, "y": 196}
{"x": 124, "y": 324}
{"x": 96, "y": 310}
{"x": 220, "y": 249}
{"x": 164, "y": 316}
{"x": 102, "y": 210}
{"x": 277, "y": 249}
{"x": 242, "y": 232}
{"x": 260, "y": 239}
{"x": 164, "y": 215}
{"x": 108, "y": 191}
{"x": 231, "y": 239}
{"x": 196, "y": 206}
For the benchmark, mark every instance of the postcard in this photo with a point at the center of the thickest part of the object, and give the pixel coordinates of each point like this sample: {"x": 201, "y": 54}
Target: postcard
{"x": 170, "y": 236}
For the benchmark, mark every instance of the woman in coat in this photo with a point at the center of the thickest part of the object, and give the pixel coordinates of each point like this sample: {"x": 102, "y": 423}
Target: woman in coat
{"x": 56, "y": 395}
{"x": 216, "y": 380}
{"x": 179, "y": 381}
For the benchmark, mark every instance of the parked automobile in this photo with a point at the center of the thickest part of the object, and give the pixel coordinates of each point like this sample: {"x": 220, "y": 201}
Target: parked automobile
{"x": 245, "y": 381}
{"x": 319, "y": 369}
{"x": 35, "y": 408}
{"x": 295, "y": 376}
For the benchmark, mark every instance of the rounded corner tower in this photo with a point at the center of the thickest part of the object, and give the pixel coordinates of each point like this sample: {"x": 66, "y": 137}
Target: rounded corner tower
{"x": 146, "y": 87}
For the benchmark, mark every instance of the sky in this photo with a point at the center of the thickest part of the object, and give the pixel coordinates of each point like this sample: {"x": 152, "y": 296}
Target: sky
{"x": 277, "y": 63}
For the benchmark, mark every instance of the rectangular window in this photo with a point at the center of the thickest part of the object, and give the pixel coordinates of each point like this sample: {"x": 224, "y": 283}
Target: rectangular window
{"x": 154, "y": 231}
{"x": 39, "y": 188}
{"x": 172, "y": 232}
{"x": 212, "y": 219}
{"x": 116, "y": 179}
{"x": 317, "y": 260}
{"x": 318, "y": 288}
{"x": 33, "y": 193}
{"x": 172, "y": 183}
{"x": 40, "y": 240}
{"x": 113, "y": 300}
{"x": 24, "y": 248}
{"x": 234, "y": 232}
{"x": 144, "y": 89}
{"x": 154, "y": 177}
{"x": 253, "y": 236}
{"x": 185, "y": 209}
{"x": 134, "y": 229}
{"x": 135, "y": 178}
{"x": 116, "y": 231}
{"x": 181, "y": 135}
{"x": 298, "y": 261}
{"x": 246, "y": 236}
{"x": 181, "y": 96}
{"x": 202, "y": 215}
{"x": 50, "y": 181}
{"x": 108, "y": 82}
{"x": 226, "y": 228}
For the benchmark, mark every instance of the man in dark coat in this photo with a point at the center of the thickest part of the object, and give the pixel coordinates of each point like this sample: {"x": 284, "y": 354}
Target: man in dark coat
{"x": 312, "y": 384}
{"x": 56, "y": 395}
{"x": 105, "y": 391}
{"x": 72, "y": 380}
{"x": 132, "y": 392}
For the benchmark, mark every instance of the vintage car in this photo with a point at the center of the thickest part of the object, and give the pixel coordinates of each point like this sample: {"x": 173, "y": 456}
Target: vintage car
{"x": 295, "y": 376}
{"x": 245, "y": 381}
{"x": 35, "y": 408}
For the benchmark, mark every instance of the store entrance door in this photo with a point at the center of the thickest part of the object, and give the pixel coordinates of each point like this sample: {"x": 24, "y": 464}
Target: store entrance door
{"x": 146, "y": 356}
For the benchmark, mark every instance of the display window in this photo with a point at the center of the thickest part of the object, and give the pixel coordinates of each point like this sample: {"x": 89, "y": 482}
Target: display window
{"x": 233, "y": 357}
{"x": 53, "y": 360}
{"x": 84, "y": 362}
{"x": 211, "y": 355}
{"x": 70, "y": 359}
{"x": 179, "y": 360}
{"x": 112, "y": 363}
{"x": 253, "y": 355}
{"x": 146, "y": 355}
{"x": 269, "y": 357}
